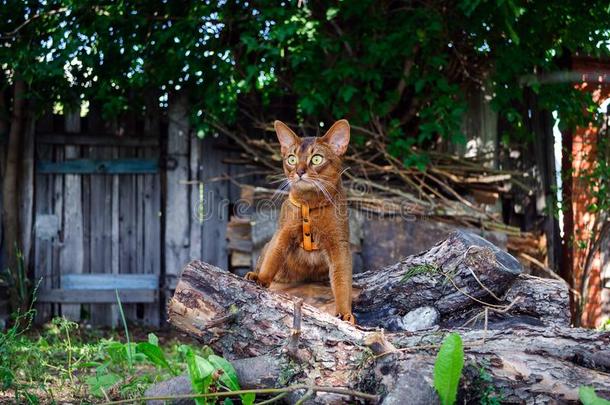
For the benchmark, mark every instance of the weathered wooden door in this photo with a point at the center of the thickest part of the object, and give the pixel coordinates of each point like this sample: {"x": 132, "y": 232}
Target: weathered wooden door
{"x": 97, "y": 211}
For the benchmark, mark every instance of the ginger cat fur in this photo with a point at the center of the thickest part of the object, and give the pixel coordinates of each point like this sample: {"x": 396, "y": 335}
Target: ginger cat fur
{"x": 313, "y": 168}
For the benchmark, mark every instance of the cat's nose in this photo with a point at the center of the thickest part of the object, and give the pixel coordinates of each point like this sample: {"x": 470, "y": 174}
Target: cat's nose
{"x": 300, "y": 172}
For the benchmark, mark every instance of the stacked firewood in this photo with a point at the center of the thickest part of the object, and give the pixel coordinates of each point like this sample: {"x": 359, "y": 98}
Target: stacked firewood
{"x": 464, "y": 192}
{"x": 247, "y": 233}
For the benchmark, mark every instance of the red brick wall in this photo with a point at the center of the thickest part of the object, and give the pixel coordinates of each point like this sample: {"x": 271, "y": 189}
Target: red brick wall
{"x": 584, "y": 148}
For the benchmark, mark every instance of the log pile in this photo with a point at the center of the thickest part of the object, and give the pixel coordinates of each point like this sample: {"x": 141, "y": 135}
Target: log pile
{"x": 461, "y": 190}
{"x": 515, "y": 329}
{"x": 257, "y": 220}
{"x": 464, "y": 192}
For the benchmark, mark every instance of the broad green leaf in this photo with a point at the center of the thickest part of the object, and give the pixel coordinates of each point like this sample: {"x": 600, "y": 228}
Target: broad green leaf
{"x": 588, "y": 396}
{"x": 154, "y": 354}
{"x": 229, "y": 377}
{"x": 117, "y": 352}
{"x": 99, "y": 384}
{"x": 448, "y": 368}
{"x": 205, "y": 368}
{"x": 200, "y": 372}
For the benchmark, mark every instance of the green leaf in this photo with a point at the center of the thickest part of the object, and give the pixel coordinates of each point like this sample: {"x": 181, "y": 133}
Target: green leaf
{"x": 347, "y": 93}
{"x": 469, "y": 6}
{"x": 200, "y": 372}
{"x": 229, "y": 377}
{"x": 117, "y": 352}
{"x": 448, "y": 368}
{"x": 331, "y": 13}
{"x": 153, "y": 339}
{"x": 458, "y": 138}
{"x": 154, "y": 354}
{"x": 99, "y": 384}
{"x": 588, "y": 396}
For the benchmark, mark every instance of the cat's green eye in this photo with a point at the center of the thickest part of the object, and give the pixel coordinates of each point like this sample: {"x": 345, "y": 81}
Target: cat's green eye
{"x": 292, "y": 160}
{"x": 316, "y": 159}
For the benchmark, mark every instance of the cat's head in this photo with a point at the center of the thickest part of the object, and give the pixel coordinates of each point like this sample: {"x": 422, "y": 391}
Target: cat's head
{"x": 313, "y": 163}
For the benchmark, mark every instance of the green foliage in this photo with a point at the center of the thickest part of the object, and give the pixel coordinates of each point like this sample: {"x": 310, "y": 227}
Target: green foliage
{"x": 400, "y": 70}
{"x": 228, "y": 377}
{"x": 19, "y": 286}
{"x": 208, "y": 370}
{"x": 155, "y": 355}
{"x": 597, "y": 177}
{"x": 129, "y": 354}
{"x": 484, "y": 385}
{"x": 200, "y": 372}
{"x": 100, "y": 384}
{"x": 426, "y": 268}
{"x": 588, "y": 396}
{"x": 10, "y": 349}
{"x": 64, "y": 361}
{"x": 448, "y": 368}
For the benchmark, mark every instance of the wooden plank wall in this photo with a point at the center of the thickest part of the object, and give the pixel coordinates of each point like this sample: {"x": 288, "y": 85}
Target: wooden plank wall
{"x": 96, "y": 223}
{"x": 47, "y": 220}
{"x": 178, "y": 202}
{"x": 129, "y": 223}
{"x": 199, "y": 194}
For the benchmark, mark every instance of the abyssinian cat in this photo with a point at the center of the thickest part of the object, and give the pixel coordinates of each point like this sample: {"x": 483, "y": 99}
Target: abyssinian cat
{"x": 312, "y": 240}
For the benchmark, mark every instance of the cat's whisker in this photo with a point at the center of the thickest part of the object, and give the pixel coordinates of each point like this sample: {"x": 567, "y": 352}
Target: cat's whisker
{"x": 279, "y": 192}
{"x": 324, "y": 191}
{"x": 276, "y": 175}
{"x": 328, "y": 184}
{"x": 274, "y": 178}
{"x": 323, "y": 185}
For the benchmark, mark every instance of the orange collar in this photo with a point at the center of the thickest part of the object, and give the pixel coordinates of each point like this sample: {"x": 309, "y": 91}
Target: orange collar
{"x": 307, "y": 243}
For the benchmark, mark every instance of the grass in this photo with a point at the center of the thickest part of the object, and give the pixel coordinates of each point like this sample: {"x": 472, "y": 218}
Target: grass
{"x": 66, "y": 362}
{"x": 63, "y": 361}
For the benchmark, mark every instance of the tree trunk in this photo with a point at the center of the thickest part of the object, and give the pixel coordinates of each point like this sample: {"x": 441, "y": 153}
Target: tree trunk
{"x": 10, "y": 196}
{"x": 522, "y": 340}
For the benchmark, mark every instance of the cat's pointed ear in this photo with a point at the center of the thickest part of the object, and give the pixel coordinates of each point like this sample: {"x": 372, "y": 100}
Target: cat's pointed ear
{"x": 285, "y": 135}
{"x": 337, "y": 137}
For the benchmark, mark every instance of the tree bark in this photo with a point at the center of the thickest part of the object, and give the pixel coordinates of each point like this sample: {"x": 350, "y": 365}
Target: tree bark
{"x": 526, "y": 348}
{"x": 10, "y": 196}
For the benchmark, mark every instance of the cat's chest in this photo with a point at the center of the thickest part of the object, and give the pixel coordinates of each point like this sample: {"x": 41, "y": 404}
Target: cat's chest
{"x": 310, "y": 260}
{"x": 320, "y": 226}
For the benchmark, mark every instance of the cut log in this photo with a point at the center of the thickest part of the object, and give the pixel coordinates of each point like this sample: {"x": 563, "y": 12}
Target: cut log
{"x": 457, "y": 274}
{"x": 526, "y": 349}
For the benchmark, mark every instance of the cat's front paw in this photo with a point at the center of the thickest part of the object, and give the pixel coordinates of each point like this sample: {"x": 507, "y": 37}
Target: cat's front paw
{"x": 349, "y": 317}
{"x": 252, "y": 276}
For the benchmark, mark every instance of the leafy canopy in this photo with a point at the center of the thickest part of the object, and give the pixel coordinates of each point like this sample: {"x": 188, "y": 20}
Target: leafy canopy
{"x": 396, "y": 67}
